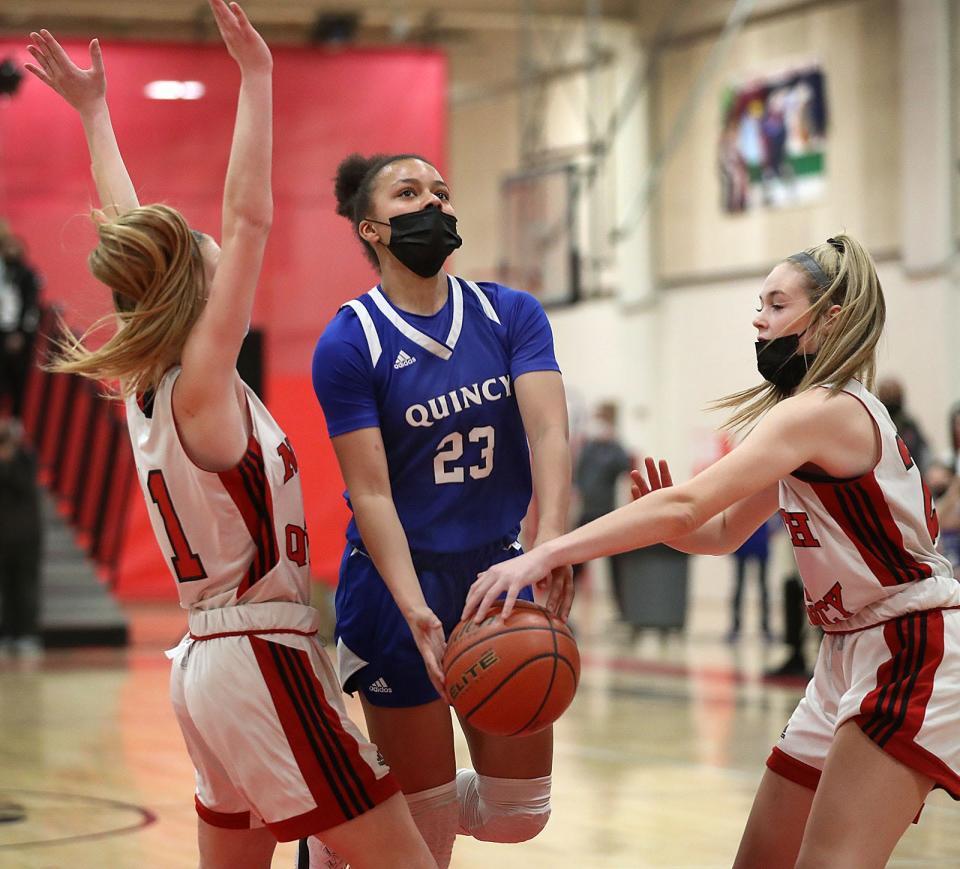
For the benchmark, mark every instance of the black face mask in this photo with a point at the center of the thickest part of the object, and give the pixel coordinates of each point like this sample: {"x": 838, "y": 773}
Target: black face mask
{"x": 422, "y": 240}
{"x": 780, "y": 364}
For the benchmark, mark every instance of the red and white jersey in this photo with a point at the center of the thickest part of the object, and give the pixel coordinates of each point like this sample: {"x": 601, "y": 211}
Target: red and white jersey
{"x": 866, "y": 546}
{"x": 232, "y": 537}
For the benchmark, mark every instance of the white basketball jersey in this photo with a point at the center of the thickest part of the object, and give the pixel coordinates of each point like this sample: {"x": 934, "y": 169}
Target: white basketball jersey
{"x": 232, "y": 537}
{"x": 866, "y": 546}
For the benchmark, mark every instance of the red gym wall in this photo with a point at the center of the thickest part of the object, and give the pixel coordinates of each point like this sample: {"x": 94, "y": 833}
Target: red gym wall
{"x": 327, "y": 105}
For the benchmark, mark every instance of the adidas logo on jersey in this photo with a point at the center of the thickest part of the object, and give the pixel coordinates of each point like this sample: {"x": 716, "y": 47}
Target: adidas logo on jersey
{"x": 404, "y": 359}
{"x": 381, "y": 686}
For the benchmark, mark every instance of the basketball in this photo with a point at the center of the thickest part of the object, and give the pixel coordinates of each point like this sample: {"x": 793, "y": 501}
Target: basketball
{"x": 512, "y": 677}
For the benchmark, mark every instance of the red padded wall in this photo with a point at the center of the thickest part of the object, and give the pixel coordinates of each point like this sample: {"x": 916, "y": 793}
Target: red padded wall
{"x": 327, "y": 105}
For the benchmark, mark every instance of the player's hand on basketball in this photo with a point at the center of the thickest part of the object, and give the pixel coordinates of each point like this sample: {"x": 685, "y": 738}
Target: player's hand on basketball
{"x": 427, "y": 632}
{"x": 506, "y": 579}
{"x": 657, "y": 477}
{"x": 560, "y": 591}
{"x": 245, "y": 45}
{"x": 81, "y": 88}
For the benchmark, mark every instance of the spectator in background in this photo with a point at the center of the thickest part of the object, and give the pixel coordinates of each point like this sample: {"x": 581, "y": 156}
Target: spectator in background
{"x": 890, "y": 391}
{"x": 944, "y": 486}
{"x": 20, "y": 540}
{"x": 19, "y": 316}
{"x": 755, "y": 548}
{"x": 600, "y": 464}
{"x": 953, "y": 437}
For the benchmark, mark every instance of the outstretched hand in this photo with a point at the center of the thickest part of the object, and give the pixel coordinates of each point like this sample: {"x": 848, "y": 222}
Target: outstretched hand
{"x": 245, "y": 45}
{"x": 509, "y": 578}
{"x": 657, "y": 478}
{"x": 81, "y": 88}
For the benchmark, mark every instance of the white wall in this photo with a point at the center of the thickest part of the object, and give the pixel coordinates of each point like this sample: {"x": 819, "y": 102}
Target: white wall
{"x": 666, "y": 356}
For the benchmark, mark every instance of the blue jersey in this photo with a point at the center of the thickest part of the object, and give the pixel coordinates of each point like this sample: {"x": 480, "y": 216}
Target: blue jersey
{"x": 441, "y": 391}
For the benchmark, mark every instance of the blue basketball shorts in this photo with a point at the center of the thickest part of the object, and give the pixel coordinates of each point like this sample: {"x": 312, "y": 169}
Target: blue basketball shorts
{"x": 376, "y": 651}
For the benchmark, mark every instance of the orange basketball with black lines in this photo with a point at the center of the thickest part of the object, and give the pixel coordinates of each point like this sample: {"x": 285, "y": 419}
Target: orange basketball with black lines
{"x": 515, "y": 676}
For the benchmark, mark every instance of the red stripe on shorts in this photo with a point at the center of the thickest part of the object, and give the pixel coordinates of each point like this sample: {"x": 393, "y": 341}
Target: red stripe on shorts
{"x": 893, "y": 713}
{"x": 340, "y": 780}
{"x": 231, "y": 821}
{"x": 895, "y": 708}
{"x": 793, "y": 770}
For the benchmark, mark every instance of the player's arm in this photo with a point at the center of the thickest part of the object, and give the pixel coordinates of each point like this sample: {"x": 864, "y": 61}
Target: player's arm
{"x": 86, "y": 91}
{"x": 363, "y": 463}
{"x": 209, "y": 413}
{"x": 721, "y": 534}
{"x": 797, "y": 431}
{"x": 543, "y": 407}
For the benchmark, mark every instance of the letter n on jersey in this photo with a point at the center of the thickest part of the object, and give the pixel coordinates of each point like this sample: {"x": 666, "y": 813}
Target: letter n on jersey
{"x": 798, "y": 527}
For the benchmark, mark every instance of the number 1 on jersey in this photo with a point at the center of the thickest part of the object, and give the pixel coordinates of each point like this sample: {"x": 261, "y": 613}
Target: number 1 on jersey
{"x": 186, "y": 564}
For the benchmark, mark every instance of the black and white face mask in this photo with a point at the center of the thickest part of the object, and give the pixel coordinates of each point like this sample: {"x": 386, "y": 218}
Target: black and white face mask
{"x": 422, "y": 240}
{"x": 780, "y": 362}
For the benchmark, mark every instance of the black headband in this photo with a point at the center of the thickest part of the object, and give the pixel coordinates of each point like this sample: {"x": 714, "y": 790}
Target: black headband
{"x": 812, "y": 268}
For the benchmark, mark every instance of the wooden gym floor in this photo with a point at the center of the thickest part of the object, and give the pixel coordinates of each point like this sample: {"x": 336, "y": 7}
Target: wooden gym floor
{"x": 656, "y": 761}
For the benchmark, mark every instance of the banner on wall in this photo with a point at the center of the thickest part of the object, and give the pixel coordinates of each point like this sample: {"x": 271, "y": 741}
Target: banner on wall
{"x": 773, "y": 139}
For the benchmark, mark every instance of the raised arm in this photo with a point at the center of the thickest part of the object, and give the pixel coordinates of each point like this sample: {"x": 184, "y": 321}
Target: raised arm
{"x": 209, "y": 406}
{"x": 86, "y": 91}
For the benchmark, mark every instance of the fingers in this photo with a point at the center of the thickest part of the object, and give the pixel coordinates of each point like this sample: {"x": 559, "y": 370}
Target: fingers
{"x": 41, "y": 58}
{"x": 566, "y": 603}
{"x": 653, "y": 475}
{"x": 639, "y": 487}
{"x": 483, "y": 604}
{"x": 226, "y": 21}
{"x": 556, "y": 592}
{"x": 665, "y": 477}
{"x": 508, "y": 603}
{"x": 58, "y": 57}
{"x": 39, "y": 73}
{"x": 436, "y": 676}
{"x": 241, "y": 16}
{"x": 96, "y": 57}
{"x": 470, "y": 603}
{"x": 560, "y": 590}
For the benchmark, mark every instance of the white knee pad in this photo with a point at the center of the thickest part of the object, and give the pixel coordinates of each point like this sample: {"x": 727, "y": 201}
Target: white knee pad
{"x": 502, "y": 809}
{"x": 435, "y": 814}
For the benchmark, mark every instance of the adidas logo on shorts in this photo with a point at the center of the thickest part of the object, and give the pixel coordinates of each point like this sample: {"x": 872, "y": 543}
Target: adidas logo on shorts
{"x": 404, "y": 359}
{"x": 381, "y": 686}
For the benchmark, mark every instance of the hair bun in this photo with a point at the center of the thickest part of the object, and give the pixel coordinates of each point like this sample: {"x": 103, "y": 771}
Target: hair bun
{"x": 350, "y": 174}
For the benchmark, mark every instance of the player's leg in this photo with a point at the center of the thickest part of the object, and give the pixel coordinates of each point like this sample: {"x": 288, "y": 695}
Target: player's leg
{"x": 383, "y": 838}
{"x": 506, "y": 797}
{"x": 780, "y": 809}
{"x": 417, "y": 743}
{"x": 221, "y": 848}
{"x": 775, "y": 826}
{"x": 865, "y": 802}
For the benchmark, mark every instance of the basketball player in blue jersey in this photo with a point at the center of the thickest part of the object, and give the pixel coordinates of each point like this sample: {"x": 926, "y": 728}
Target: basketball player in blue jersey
{"x": 432, "y": 387}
